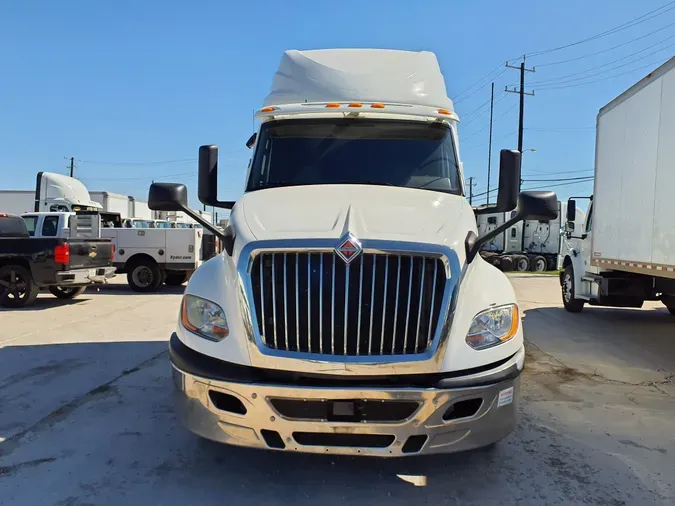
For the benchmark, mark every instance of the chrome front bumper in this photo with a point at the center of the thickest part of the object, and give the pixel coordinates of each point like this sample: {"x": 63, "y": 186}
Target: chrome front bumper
{"x": 264, "y": 426}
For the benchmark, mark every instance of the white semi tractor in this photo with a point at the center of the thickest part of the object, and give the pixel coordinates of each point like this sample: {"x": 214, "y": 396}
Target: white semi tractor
{"x": 53, "y": 193}
{"x": 538, "y": 251}
{"x": 625, "y": 252}
{"x": 350, "y": 311}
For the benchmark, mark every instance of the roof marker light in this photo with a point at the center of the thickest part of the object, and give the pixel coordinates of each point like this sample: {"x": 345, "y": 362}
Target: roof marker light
{"x": 356, "y": 104}
{"x": 267, "y": 109}
{"x": 444, "y": 111}
{"x": 332, "y": 105}
{"x": 377, "y": 106}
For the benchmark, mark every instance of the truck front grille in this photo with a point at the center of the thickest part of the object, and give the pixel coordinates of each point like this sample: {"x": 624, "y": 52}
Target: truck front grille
{"x": 379, "y": 304}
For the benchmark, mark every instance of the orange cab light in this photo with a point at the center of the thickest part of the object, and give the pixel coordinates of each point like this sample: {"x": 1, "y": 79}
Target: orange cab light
{"x": 377, "y": 106}
{"x": 356, "y": 104}
{"x": 332, "y": 105}
{"x": 444, "y": 111}
{"x": 267, "y": 109}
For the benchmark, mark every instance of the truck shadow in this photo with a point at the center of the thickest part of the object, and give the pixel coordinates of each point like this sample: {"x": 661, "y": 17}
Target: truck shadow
{"x": 46, "y": 302}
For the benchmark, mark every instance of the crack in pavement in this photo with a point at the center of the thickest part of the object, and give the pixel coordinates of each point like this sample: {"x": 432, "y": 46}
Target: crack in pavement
{"x": 571, "y": 372}
{"x": 61, "y": 413}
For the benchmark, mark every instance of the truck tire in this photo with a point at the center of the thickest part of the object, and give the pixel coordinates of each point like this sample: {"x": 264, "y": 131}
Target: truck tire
{"x": 176, "y": 278}
{"x": 521, "y": 263}
{"x": 506, "y": 264}
{"x": 144, "y": 275}
{"x": 67, "y": 292}
{"x": 538, "y": 264}
{"x": 567, "y": 283}
{"x": 17, "y": 288}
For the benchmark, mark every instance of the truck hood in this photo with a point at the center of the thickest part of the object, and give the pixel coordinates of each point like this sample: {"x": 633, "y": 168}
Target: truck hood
{"x": 367, "y": 211}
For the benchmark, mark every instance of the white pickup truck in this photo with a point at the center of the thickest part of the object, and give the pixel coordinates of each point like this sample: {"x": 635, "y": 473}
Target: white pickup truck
{"x": 350, "y": 311}
{"x": 149, "y": 256}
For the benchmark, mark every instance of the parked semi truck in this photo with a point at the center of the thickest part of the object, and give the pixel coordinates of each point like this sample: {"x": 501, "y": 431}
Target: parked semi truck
{"x": 350, "y": 311}
{"x": 538, "y": 251}
{"x": 625, "y": 252}
{"x": 53, "y": 192}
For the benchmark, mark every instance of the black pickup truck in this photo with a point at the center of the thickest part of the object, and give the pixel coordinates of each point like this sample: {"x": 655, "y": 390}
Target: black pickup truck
{"x": 64, "y": 266}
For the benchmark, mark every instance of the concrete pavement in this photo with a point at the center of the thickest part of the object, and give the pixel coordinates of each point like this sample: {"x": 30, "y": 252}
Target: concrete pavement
{"x": 86, "y": 417}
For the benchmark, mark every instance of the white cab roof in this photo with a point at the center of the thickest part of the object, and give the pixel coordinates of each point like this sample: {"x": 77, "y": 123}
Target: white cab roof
{"x": 363, "y": 75}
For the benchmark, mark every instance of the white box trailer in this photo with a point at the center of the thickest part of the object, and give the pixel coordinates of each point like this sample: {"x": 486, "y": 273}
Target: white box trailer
{"x": 17, "y": 201}
{"x": 626, "y": 251}
{"x": 112, "y": 202}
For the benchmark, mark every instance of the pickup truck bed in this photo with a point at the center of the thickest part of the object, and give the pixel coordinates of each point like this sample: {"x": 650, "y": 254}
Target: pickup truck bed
{"x": 62, "y": 265}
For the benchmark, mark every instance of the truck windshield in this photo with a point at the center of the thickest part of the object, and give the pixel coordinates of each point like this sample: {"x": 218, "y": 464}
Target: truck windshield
{"x": 355, "y": 151}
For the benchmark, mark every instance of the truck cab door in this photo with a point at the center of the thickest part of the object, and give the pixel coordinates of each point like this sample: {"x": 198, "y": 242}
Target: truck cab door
{"x": 585, "y": 250}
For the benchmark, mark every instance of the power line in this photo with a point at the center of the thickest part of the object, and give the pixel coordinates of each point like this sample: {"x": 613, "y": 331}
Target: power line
{"x": 556, "y": 173}
{"x": 649, "y": 65}
{"x": 561, "y": 130}
{"x": 564, "y": 80}
{"x": 629, "y": 24}
{"x": 487, "y": 76}
{"x": 191, "y": 173}
{"x": 588, "y": 55}
{"x": 158, "y": 162}
{"x": 556, "y": 185}
{"x": 556, "y": 180}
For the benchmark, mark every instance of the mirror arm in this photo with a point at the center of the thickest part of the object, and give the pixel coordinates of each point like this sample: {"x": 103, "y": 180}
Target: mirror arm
{"x": 472, "y": 243}
{"x": 204, "y": 223}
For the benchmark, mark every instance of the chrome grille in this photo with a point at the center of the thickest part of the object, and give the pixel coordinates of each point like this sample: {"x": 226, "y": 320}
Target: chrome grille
{"x": 379, "y": 304}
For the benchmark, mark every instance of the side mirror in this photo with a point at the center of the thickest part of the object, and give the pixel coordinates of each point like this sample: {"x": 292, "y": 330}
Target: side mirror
{"x": 537, "y": 205}
{"x": 532, "y": 205}
{"x": 571, "y": 210}
{"x": 208, "y": 178}
{"x": 509, "y": 183}
{"x": 173, "y": 197}
{"x": 167, "y": 197}
{"x": 509, "y": 179}
{"x": 251, "y": 141}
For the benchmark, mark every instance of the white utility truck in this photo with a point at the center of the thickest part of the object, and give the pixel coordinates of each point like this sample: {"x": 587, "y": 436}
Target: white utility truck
{"x": 625, "y": 253}
{"x": 350, "y": 311}
{"x": 538, "y": 251}
{"x": 150, "y": 257}
{"x": 53, "y": 192}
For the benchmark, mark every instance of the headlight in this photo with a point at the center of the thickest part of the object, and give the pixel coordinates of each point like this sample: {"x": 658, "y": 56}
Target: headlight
{"x": 493, "y": 326}
{"x": 204, "y": 317}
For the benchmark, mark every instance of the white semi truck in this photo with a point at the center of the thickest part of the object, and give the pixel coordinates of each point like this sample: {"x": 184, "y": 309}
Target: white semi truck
{"x": 625, "y": 252}
{"x": 350, "y": 311}
{"x": 538, "y": 251}
{"x": 53, "y": 193}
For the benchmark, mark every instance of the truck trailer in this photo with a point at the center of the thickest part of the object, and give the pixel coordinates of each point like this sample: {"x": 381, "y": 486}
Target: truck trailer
{"x": 350, "y": 311}
{"x": 625, "y": 252}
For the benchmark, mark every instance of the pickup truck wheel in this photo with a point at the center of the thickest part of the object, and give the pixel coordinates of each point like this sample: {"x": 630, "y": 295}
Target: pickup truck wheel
{"x": 176, "y": 279}
{"x": 144, "y": 276}
{"x": 538, "y": 264}
{"x": 521, "y": 263}
{"x": 17, "y": 288}
{"x": 64, "y": 292}
{"x": 571, "y": 304}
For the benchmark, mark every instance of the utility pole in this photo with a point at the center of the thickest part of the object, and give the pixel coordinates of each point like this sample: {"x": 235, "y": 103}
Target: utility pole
{"x": 471, "y": 185}
{"x": 72, "y": 166}
{"x": 522, "y": 94}
{"x": 492, "y": 107}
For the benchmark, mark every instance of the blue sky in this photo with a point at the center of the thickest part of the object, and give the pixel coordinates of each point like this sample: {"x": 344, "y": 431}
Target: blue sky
{"x": 132, "y": 88}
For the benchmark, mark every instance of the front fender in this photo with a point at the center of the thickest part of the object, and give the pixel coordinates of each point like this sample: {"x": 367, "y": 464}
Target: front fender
{"x": 482, "y": 286}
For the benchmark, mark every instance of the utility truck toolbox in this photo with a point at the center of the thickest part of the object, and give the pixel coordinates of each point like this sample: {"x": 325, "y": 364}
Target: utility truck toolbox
{"x": 348, "y": 312}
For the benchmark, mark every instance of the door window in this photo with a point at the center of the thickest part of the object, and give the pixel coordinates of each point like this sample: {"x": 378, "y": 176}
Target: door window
{"x": 31, "y": 223}
{"x": 589, "y": 220}
{"x": 50, "y": 227}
